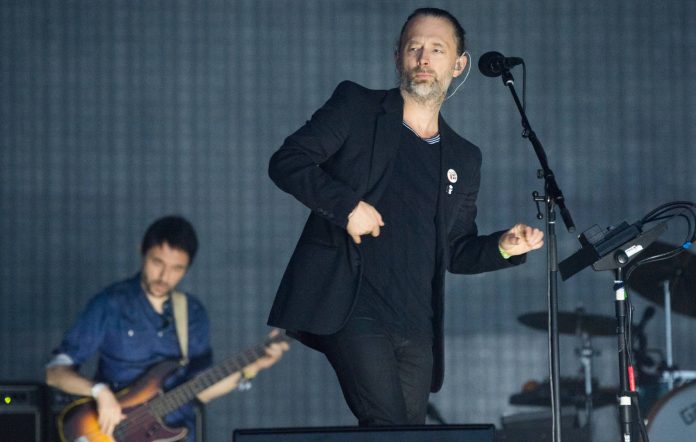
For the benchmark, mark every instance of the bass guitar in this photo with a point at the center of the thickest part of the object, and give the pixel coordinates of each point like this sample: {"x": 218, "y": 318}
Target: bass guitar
{"x": 145, "y": 404}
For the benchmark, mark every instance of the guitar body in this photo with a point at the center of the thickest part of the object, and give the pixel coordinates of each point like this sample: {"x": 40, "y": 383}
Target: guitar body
{"x": 144, "y": 403}
{"x": 79, "y": 420}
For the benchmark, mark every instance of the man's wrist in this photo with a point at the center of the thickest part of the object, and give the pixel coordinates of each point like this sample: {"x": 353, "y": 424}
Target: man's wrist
{"x": 97, "y": 388}
{"x": 244, "y": 382}
{"x": 503, "y": 253}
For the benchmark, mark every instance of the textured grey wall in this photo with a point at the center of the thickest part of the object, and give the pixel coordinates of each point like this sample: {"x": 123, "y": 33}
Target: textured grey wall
{"x": 114, "y": 113}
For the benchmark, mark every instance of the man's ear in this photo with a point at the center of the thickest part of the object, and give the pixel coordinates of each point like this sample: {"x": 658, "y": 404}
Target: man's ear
{"x": 460, "y": 64}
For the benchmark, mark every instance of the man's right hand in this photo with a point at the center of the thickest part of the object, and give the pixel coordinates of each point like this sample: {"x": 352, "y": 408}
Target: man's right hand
{"x": 109, "y": 411}
{"x": 362, "y": 220}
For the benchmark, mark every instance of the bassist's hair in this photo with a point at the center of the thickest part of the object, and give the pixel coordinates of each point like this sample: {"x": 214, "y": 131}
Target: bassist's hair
{"x": 174, "y": 230}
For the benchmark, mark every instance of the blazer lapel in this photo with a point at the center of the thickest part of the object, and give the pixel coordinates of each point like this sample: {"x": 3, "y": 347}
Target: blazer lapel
{"x": 446, "y": 154}
{"x": 441, "y": 247}
{"x": 385, "y": 146}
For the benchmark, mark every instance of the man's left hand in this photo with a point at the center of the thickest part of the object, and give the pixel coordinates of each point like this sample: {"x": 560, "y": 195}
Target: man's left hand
{"x": 273, "y": 353}
{"x": 520, "y": 239}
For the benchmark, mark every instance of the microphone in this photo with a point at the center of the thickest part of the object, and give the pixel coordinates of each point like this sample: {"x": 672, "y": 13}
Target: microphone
{"x": 166, "y": 320}
{"x": 492, "y": 64}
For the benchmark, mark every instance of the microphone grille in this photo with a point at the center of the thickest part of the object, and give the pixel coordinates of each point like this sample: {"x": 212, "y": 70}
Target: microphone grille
{"x": 489, "y": 63}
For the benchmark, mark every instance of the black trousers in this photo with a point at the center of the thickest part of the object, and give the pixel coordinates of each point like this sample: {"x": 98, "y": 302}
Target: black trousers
{"x": 385, "y": 378}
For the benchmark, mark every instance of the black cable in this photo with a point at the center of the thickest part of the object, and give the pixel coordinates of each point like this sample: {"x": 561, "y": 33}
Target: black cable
{"x": 680, "y": 215}
{"x": 628, "y": 339}
{"x": 680, "y": 207}
{"x": 654, "y": 258}
{"x": 641, "y": 423}
{"x": 687, "y": 205}
{"x": 677, "y": 209}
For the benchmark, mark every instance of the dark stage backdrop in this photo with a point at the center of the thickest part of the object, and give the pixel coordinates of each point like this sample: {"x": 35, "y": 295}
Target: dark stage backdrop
{"x": 115, "y": 113}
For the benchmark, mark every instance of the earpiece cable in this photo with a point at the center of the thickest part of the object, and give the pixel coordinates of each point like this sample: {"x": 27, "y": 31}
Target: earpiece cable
{"x": 468, "y": 64}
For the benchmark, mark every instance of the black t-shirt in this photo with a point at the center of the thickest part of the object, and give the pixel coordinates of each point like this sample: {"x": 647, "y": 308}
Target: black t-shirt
{"x": 399, "y": 265}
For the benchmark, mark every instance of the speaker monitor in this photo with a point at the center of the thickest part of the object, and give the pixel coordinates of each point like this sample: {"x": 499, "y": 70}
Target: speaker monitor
{"x": 21, "y": 417}
{"x": 430, "y": 433}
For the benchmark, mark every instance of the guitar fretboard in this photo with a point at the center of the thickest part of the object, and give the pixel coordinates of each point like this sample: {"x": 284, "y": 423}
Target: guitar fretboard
{"x": 184, "y": 393}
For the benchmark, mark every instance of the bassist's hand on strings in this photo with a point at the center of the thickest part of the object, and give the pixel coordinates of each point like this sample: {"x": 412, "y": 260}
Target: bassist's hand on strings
{"x": 109, "y": 411}
{"x": 273, "y": 353}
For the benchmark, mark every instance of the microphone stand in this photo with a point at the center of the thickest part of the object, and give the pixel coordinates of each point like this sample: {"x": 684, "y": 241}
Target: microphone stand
{"x": 553, "y": 197}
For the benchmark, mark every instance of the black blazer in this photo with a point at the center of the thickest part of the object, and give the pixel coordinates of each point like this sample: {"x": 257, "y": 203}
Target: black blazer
{"x": 341, "y": 156}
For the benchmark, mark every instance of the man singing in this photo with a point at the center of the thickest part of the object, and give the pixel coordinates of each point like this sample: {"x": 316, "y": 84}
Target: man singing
{"x": 392, "y": 189}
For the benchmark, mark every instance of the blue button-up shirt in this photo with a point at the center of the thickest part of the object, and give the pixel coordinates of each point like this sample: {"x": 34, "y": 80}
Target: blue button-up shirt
{"x": 129, "y": 336}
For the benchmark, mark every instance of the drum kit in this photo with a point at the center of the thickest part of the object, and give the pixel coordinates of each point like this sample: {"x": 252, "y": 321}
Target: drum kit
{"x": 667, "y": 395}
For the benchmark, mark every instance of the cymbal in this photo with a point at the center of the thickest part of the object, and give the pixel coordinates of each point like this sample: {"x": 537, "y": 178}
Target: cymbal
{"x": 572, "y": 392}
{"x": 572, "y": 323}
{"x": 647, "y": 279}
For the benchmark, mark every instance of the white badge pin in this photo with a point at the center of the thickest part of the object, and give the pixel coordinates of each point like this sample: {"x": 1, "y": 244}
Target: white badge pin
{"x": 452, "y": 176}
{"x": 450, "y": 188}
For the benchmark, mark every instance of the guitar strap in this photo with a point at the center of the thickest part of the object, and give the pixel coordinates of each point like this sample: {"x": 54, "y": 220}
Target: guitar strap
{"x": 180, "y": 307}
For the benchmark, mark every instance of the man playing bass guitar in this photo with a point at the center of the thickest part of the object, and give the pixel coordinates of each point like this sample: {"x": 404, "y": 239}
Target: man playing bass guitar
{"x": 131, "y": 326}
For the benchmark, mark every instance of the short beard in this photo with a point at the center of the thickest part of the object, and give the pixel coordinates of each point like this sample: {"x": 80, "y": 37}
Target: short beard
{"x": 423, "y": 93}
{"x": 147, "y": 285}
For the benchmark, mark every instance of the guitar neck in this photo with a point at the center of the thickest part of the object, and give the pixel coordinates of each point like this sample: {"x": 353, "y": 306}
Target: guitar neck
{"x": 185, "y": 392}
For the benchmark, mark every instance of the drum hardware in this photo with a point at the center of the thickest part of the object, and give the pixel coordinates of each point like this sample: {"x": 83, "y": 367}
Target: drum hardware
{"x": 535, "y": 426}
{"x": 648, "y": 372}
{"x": 656, "y": 379}
{"x": 653, "y": 395}
{"x": 613, "y": 249}
{"x": 640, "y": 344}
{"x": 578, "y": 392}
{"x": 586, "y": 353}
{"x": 572, "y": 390}
{"x": 679, "y": 376}
{"x": 673, "y": 418}
{"x": 680, "y": 272}
{"x": 572, "y": 323}
{"x": 672, "y": 284}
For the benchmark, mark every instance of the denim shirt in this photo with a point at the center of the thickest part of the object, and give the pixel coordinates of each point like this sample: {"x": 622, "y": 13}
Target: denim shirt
{"x": 129, "y": 336}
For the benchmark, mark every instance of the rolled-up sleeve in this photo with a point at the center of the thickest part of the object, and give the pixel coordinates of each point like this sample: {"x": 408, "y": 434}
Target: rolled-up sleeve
{"x": 85, "y": 336}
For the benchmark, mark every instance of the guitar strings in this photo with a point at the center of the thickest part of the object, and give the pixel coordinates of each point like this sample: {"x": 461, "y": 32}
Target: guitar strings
{"x": 129, "y": 425}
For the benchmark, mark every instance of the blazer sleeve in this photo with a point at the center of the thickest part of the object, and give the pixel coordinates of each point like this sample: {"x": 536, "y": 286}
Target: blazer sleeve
{"x": 296, "y": 167}
{"x": 470, "y": 252}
